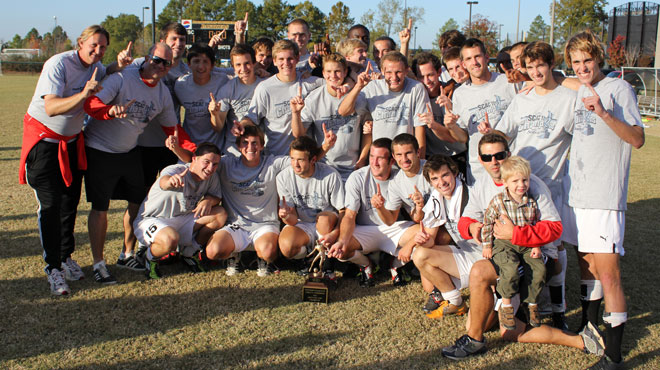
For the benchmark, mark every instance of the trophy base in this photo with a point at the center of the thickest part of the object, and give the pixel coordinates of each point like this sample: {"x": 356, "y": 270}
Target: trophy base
{"x": 315, "y": 290}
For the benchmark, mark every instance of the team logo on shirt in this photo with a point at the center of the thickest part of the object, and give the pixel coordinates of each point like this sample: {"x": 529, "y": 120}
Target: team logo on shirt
{"x": 585, "y": 120}
{"x": 397, "y": 115}
{"x": 197, "y": 109}
{"x": 339, "y": 124}
{"x": 495, "y": 108}
{"x": 141, "y": 111}
{"x": 538, "y": 124}
{"x": 253, "y": 188}
{"x": 282, "y": 109}
{"x": 315, "y": 202}
{"x": 240, "y": 106}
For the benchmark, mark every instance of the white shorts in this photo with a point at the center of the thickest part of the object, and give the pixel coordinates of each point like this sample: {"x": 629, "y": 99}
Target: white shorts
{"x": 147, "y": 228}
{"x": 594, "y": 230}
{"x": 310, "y": 229}
{"x": 382, "y": 237}
{"x": 244, "y": 239}
{"x": 465, "y": 255}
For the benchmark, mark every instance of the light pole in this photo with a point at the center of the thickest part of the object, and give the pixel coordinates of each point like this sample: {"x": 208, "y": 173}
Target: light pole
{"x": 143, "y": 9}
{"x": 499, "y": 46}
{"x": 470, "y": 3}
{"x": 415, "y": 42}
{"x": 518, "y": 21}
{"x": 153, "y": 21}
{"x": 55, "y": 19}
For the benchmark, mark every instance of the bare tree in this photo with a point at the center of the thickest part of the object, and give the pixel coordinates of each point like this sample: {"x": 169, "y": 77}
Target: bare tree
{"x": 632, "y": 55}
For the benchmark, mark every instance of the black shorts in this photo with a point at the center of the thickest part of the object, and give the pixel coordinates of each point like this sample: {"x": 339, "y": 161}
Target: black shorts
{"x": 113, "y": 176}
{"x": 154, "y": 159}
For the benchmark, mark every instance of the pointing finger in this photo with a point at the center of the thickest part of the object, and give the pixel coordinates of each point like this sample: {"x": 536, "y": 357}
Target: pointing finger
{"x": 128, "y": 48}
{"x": 368, "y": 70}
{"x": 428, "y": 107}
{"x": 246, "y": 17}
{"x": 421, "y": 225}
{"x": 487, "y": 121}
{"x": 94, "y": 74}
{"x": 327, "y": 38}
{"x": 176, "y": 133}
{"x": 325, "y": 130}
{"x": 409, "y": 24}
{"x": 212, "y": 97}
{"x": 378, "y": 189}
{"x": 416, "y": 190}
{"x": 441, "y": 90}
{"x": 593, "y": 91}
{"x": 130, "y": 103}
{"x": 299, "y": 91}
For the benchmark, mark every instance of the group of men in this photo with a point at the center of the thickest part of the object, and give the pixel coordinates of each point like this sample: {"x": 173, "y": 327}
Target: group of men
{"x": 336, "y": 149}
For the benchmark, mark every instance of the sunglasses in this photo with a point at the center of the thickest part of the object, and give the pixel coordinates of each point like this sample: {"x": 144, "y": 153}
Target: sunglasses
{"x": 159, "y": 60}
{"x": 489, "y": 157}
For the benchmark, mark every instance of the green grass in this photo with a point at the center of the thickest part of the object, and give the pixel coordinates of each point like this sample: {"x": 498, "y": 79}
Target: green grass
{"x": 213, "y": 321}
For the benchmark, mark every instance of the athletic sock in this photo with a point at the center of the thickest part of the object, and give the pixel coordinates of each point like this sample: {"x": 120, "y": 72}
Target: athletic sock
{"x": 359, "y": 259}
{"x": 98, "y": 264}
{"x": 150, "y": 256}
{"x": 592, "y": 295}
{"x": 613, "y": 338}
{"x": 301, "y": 254}
{"x": 453, "y": 296}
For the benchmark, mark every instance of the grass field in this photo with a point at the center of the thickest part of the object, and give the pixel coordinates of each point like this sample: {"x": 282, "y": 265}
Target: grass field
{"x": 210, "y": 320}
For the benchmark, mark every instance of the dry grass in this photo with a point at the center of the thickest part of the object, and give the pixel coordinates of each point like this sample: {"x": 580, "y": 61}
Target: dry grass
{"x": 213, "y": 321}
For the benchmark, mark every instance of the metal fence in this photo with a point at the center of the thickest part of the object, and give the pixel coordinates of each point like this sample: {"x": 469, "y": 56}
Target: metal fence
{"x": 646, "y": 84}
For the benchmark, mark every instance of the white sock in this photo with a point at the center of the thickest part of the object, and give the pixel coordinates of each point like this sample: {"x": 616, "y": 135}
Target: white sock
{"x": 359, "y": 259}
{"x": 301, "y": 254}
{"x": 98, "y": 264}
{"x": 453, "y": 296}
{"x": 150, "y": 256}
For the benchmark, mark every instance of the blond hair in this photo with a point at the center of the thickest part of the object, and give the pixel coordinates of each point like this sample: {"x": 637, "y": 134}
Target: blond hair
{"x": 91, "y": 31}
{"x": 515, "y": 165}
{"x": 282, "y": 45}
{"x": 346, "y": 47}
{"x": 335, "y": 58}
{"x": 585, "y": 42}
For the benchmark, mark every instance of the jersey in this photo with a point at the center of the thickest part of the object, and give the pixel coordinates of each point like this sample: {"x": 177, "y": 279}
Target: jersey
{"x": 234, "y": 98}
{"x": 359, "y": 188}
{"x": 323, "y": 191}
{"x": 600, "y": 159}
{"x": 120, "y": 135}
{"x": 250, "y": 193}
{"x": 393, "y": 113}
{"x": 63, "y": 75}
{"x": 472, "y": 102}
{"x": 439, "y": 211}
{"x": 401, "y": 186}
{"x": 435, "y": 145}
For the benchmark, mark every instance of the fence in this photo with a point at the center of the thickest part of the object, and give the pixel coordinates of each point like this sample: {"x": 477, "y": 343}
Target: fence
{"x": 646, "y": 84}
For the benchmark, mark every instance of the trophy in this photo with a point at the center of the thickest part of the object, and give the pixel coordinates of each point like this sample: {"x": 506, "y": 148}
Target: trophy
{"x": 315, "y": 288}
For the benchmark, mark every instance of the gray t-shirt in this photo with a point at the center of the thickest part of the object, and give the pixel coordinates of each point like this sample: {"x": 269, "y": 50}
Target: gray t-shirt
{"x": 323, "y": 191}
{"x": 234, "y": 98}
{"x": 119, "y": 135}
{"x": 434, "y": 145}
{"x": 321, "y": 107}
{"x": 401, "y": 186}
{"x": 177, "y": 202}
{"x": 153, "y": 135}
{"x": 540, "y": 127}
{"x": 250, "y": 193}
{"x": 359, "y": 188}
{"x": 270, "y": 110}
{"x": 600, "y": 159}
{"x": 195, "y": 100}
{"x": 63, "y": 75}
{"x": 393, "y": 113}
{"x": 472, "y": 102}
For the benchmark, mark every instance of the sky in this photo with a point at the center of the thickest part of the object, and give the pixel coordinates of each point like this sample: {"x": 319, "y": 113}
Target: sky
{"x": 18, "y": 17}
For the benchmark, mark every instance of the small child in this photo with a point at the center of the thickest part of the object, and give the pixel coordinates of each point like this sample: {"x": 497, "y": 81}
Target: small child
{"x": 515, "y": 203}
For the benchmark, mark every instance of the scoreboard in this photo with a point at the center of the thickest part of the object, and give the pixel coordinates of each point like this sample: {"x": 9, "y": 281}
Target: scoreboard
{"x": 203, "y": 31}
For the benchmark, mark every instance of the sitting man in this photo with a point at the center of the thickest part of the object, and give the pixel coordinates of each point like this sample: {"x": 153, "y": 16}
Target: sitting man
{"x": 312, "y": 196}
{"x": 366, "y": 190}
{"x": 493, "y": 150}
{"x": 182, "y": 209}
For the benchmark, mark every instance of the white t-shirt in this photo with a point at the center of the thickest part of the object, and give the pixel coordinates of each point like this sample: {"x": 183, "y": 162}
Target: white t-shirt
{"x": 321, "y": 107}
{"x": 119, "y": 135}
{"x": 63, "y": 75}
{"x": 323, "y": 191}
{"x": 540, "y": 127}
{"x": 235, "y": 98}
{"x": 393, "y": 113}
{"x": 359, "y": 188}
{"x": 401, "y": 186}
{"x": 195, "y": 100}
{"x": 270, "y": 110}
{"x": 600, "y": 159}
{"x": 439, "y": 211}
{"x": 472, "y": 102}
{"x": 176, "y": 202}
{"x": 250, "y": 193}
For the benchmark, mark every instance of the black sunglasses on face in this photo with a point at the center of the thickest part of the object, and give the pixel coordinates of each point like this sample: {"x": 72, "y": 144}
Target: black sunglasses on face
{"x": 159, "y": 60}
{"x": 489, "y": 157}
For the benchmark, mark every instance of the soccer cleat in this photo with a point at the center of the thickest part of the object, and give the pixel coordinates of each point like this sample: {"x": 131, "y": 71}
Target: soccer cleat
{"x": 130, "y": 263}
{"x": 366, "y": 279}
{"x": 103, "y": 276}
{"x": 58, "y": 285}
{"x": 141, "y": 255}
{"x": 153, "y": 271}
{"x": 301, "y": 267}
{"x": 400, "y": 277}
{"x": 605, "y": 363}
{"x": 593, "y": 341}
{"x": 464, "y": 347}
{"x": 446, "y": 309}
{"x": 193, "y": 263}
{"x": 435, "y": 298}
{"x": 233, "y": 266}
{"x": 263, "y": 268}
{"x": 507, "y": 317}
{"x": 72, "y": 270}
{"x": 534, "y": 316}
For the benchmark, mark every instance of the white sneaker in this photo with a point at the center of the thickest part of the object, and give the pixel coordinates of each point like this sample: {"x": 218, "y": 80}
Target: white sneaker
{"x": 232, "y": 266}
{"x": 58, "y": 285}
{"x": 72, "y": 270}
{"x": 262, "y": 268}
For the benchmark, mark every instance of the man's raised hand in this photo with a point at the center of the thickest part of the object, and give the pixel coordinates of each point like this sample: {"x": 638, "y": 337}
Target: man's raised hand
{"x": 125, "y": 57}
{"x": 417, "y": 198}
{"x": 177, "y": 180}
{"x": 404, "y": 35}
{"x": 427, "y": 117}
{"x": 92, "y": 86}
{"x": 284, "y": 211}
{"x": 593, "y": 103}
{"x": 237, "y": 129}
{"x": 484, "y": 126}
{"x": 214, "y": 106}
{"x": 120, "y": 111}
{"x": 217, "y": 39}
{"x": 378, "y": 201}
{"x": 422, "y": 237}
{"x": 329, "y": 138}
{"x": 297, "y": 103}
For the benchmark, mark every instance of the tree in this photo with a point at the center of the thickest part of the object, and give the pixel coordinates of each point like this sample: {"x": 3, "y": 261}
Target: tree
{"x": 485, "y": 30}
{"x": 573, "y": 16}
{"x": 616, "y": 54}
{"x": 538, "y": 30}
{"x": 338, "y": 21}
{"x": 16, "y": 42}
{"x": 200, "y": 10}
{"x": 55, "y": 42}
{"x": 122, "y": 29}
{"x": 314, "y": 17}
{"x": 448, "y": 26}
{"x": 391, "y": 17}
{"x": 272, "y": 19}
{"x": 376, "y": 29}
{"x": 32, "y": 40}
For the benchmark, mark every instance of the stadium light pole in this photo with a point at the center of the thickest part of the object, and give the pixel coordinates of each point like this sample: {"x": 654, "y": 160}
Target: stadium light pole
{"x": 55, "y": 19}
{"x": 518, "y": 22}
{"x": 415, "y": 42}
{"x": 143, "y": 9}
{"x": 470, "y": 3}
{"x": 153, "y": 22}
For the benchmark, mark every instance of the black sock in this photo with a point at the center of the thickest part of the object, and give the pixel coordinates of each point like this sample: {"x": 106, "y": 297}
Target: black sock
{"x": 556, "y": 297}
{"x": 613, "y": 337}
{"x": 590, "y": 312}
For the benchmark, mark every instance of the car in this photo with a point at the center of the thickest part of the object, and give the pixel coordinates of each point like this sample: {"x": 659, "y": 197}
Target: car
{"x": 632, "y": 78}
